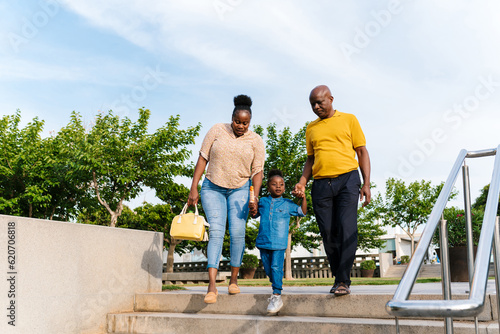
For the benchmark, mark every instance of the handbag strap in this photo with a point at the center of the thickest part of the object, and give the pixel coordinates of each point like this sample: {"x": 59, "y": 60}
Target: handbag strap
{"x": 196, "y": 215}
{"x": 184, "y": 209}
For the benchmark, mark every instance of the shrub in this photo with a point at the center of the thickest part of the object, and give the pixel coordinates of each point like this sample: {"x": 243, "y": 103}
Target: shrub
{"x": 249, "y": 261}
{"x": 405, "y": 258}
{"x": 368, "y": 265}
{"x": 457, "y": 235}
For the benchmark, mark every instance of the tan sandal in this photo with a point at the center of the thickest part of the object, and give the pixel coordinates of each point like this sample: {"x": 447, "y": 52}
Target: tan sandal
{"x": 233, "y": 289}
{"x": 211, "y": 297}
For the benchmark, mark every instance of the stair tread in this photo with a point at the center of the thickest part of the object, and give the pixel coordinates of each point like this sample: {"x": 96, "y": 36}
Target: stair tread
{"x": 407, "y": 322}
{"x": 320, "y": 305}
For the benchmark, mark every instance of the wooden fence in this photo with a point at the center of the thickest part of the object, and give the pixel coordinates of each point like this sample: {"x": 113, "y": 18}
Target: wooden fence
{"x": 302, "y": 267}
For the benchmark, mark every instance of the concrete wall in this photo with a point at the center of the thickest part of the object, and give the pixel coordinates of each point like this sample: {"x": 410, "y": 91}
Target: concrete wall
{"x": 384, "y": 262}
{"x": 67, "y": 277}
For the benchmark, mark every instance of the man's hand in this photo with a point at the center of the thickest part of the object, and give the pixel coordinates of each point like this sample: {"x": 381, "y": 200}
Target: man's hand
{"x": 365, "y": 193}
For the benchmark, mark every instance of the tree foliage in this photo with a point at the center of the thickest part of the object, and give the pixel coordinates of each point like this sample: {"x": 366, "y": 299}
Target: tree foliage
{"x": 369, "y": 230}
{"x": 455, "y": 222}
{"x": 34, "y": 177}
{"x": 77, "y": 169}
{"x": 120, "y": 157}
{"x": 480, "y": 202}
{"x": 408, "y": 206}
{"x": 22, "y": 190}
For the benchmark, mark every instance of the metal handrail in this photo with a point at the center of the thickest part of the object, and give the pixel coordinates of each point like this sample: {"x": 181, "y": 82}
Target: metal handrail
{"x": 399, "y": 305}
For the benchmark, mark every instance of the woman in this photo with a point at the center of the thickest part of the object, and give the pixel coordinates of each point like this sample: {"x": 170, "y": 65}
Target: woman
{"x": 236, "y": 159}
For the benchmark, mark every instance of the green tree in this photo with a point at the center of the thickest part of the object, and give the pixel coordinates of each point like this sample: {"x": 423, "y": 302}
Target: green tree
{"x": 369, "y": 231}
{"x": 287, "y": 151}
{"x": 22, "y": 188}
{"x": 455, "y": 222}
{"x": 67, "y": 186}
{"x": 120, "y": 157}
{"x": 38, "y": 176}
{"x": 480, "y": 202}
{"x": 408, "y": 206}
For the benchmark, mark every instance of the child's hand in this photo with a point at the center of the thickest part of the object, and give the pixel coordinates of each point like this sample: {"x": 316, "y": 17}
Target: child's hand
{"x": 299, "y": 194}
{"x": 253, "y": 212}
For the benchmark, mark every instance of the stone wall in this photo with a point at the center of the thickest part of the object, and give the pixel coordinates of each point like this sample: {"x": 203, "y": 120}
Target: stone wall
{"x": 64, "y": 278}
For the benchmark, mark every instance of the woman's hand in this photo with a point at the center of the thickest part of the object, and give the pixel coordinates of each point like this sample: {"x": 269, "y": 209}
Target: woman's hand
{"x": 253, "y": 208}
{"x": 198, "y": 172}
{"x": 193, "y": 197}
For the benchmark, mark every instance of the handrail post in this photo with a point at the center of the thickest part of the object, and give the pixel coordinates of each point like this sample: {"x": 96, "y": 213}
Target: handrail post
{"x": 468, "y": 230}
{"x": 445, "y": 270}
{"x": 468, "y": 223}
{"x": 496, "y": 253}
{"x": 400, "y": 305}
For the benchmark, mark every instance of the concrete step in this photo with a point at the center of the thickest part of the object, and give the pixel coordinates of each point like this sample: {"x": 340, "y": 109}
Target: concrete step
{"x": 428, "y": 270}
{"x": 305, "y": 310}
{"x": 180, "y": 323}
{"x": 303, "y": 305}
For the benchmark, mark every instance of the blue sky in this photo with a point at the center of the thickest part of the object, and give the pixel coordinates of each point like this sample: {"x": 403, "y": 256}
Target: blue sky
{"x": 423, "y": 77}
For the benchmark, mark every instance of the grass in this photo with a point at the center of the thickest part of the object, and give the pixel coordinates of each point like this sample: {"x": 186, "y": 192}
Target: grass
{"x": 329, "y": 281}
{"x": 313, "y": 282}
{"x": 172, "y": 287}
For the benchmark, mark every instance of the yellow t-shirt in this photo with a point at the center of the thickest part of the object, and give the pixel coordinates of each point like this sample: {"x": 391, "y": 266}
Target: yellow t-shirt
{"x": 332, "y": 142}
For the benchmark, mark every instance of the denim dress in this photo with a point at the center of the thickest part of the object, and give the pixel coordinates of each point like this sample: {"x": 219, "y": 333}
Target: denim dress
{"x": 274, "y": 222}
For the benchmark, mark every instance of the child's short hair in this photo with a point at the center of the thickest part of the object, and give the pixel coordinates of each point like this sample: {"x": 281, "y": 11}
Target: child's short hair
{"x": 274, "y": 172}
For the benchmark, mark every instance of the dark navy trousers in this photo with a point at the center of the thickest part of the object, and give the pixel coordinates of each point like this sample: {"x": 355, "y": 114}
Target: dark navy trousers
{"x": 335, "y": 204}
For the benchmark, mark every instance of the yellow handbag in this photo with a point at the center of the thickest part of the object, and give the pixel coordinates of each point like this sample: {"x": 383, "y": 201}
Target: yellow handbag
{"x": 189, "y": 226}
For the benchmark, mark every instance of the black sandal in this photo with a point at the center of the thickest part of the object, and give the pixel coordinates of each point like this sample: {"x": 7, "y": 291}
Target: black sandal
{"x": 342, "y": 290}
{"x": 334, "y": 288}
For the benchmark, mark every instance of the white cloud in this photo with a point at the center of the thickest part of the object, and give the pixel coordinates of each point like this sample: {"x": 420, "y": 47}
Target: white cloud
{"x": 427, "y": 58}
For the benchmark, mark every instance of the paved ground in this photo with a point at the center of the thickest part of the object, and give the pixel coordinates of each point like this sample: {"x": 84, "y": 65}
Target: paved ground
{"x": 418, "y": 288}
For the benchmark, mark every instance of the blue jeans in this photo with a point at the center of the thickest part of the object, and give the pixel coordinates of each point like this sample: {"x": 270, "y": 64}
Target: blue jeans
{"x": 221, "y": 205}
{"x": 273, "y": 265}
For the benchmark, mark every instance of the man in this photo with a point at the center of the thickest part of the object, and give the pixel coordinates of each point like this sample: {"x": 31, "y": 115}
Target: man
{"x": 333, "y": 140}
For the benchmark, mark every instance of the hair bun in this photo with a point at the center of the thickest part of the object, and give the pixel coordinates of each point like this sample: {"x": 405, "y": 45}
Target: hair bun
{"x": 274, "y": 172}
{"x": 242, "y": 100}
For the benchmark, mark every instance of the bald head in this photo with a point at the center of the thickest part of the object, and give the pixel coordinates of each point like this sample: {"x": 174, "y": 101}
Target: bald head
{"x": 321, "y": 100}
{"x": 321, "y": 89}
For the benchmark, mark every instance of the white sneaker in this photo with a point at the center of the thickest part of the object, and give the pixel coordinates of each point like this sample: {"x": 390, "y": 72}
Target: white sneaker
{"x": 275, "y": 304}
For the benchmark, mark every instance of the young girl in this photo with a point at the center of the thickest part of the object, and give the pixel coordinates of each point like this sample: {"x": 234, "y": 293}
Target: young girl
{"x": 275, "y": 212}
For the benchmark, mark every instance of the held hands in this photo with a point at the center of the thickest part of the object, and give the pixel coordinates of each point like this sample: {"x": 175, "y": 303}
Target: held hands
{"x": 253, "y": 208}
{"x": 299, "y": 190}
